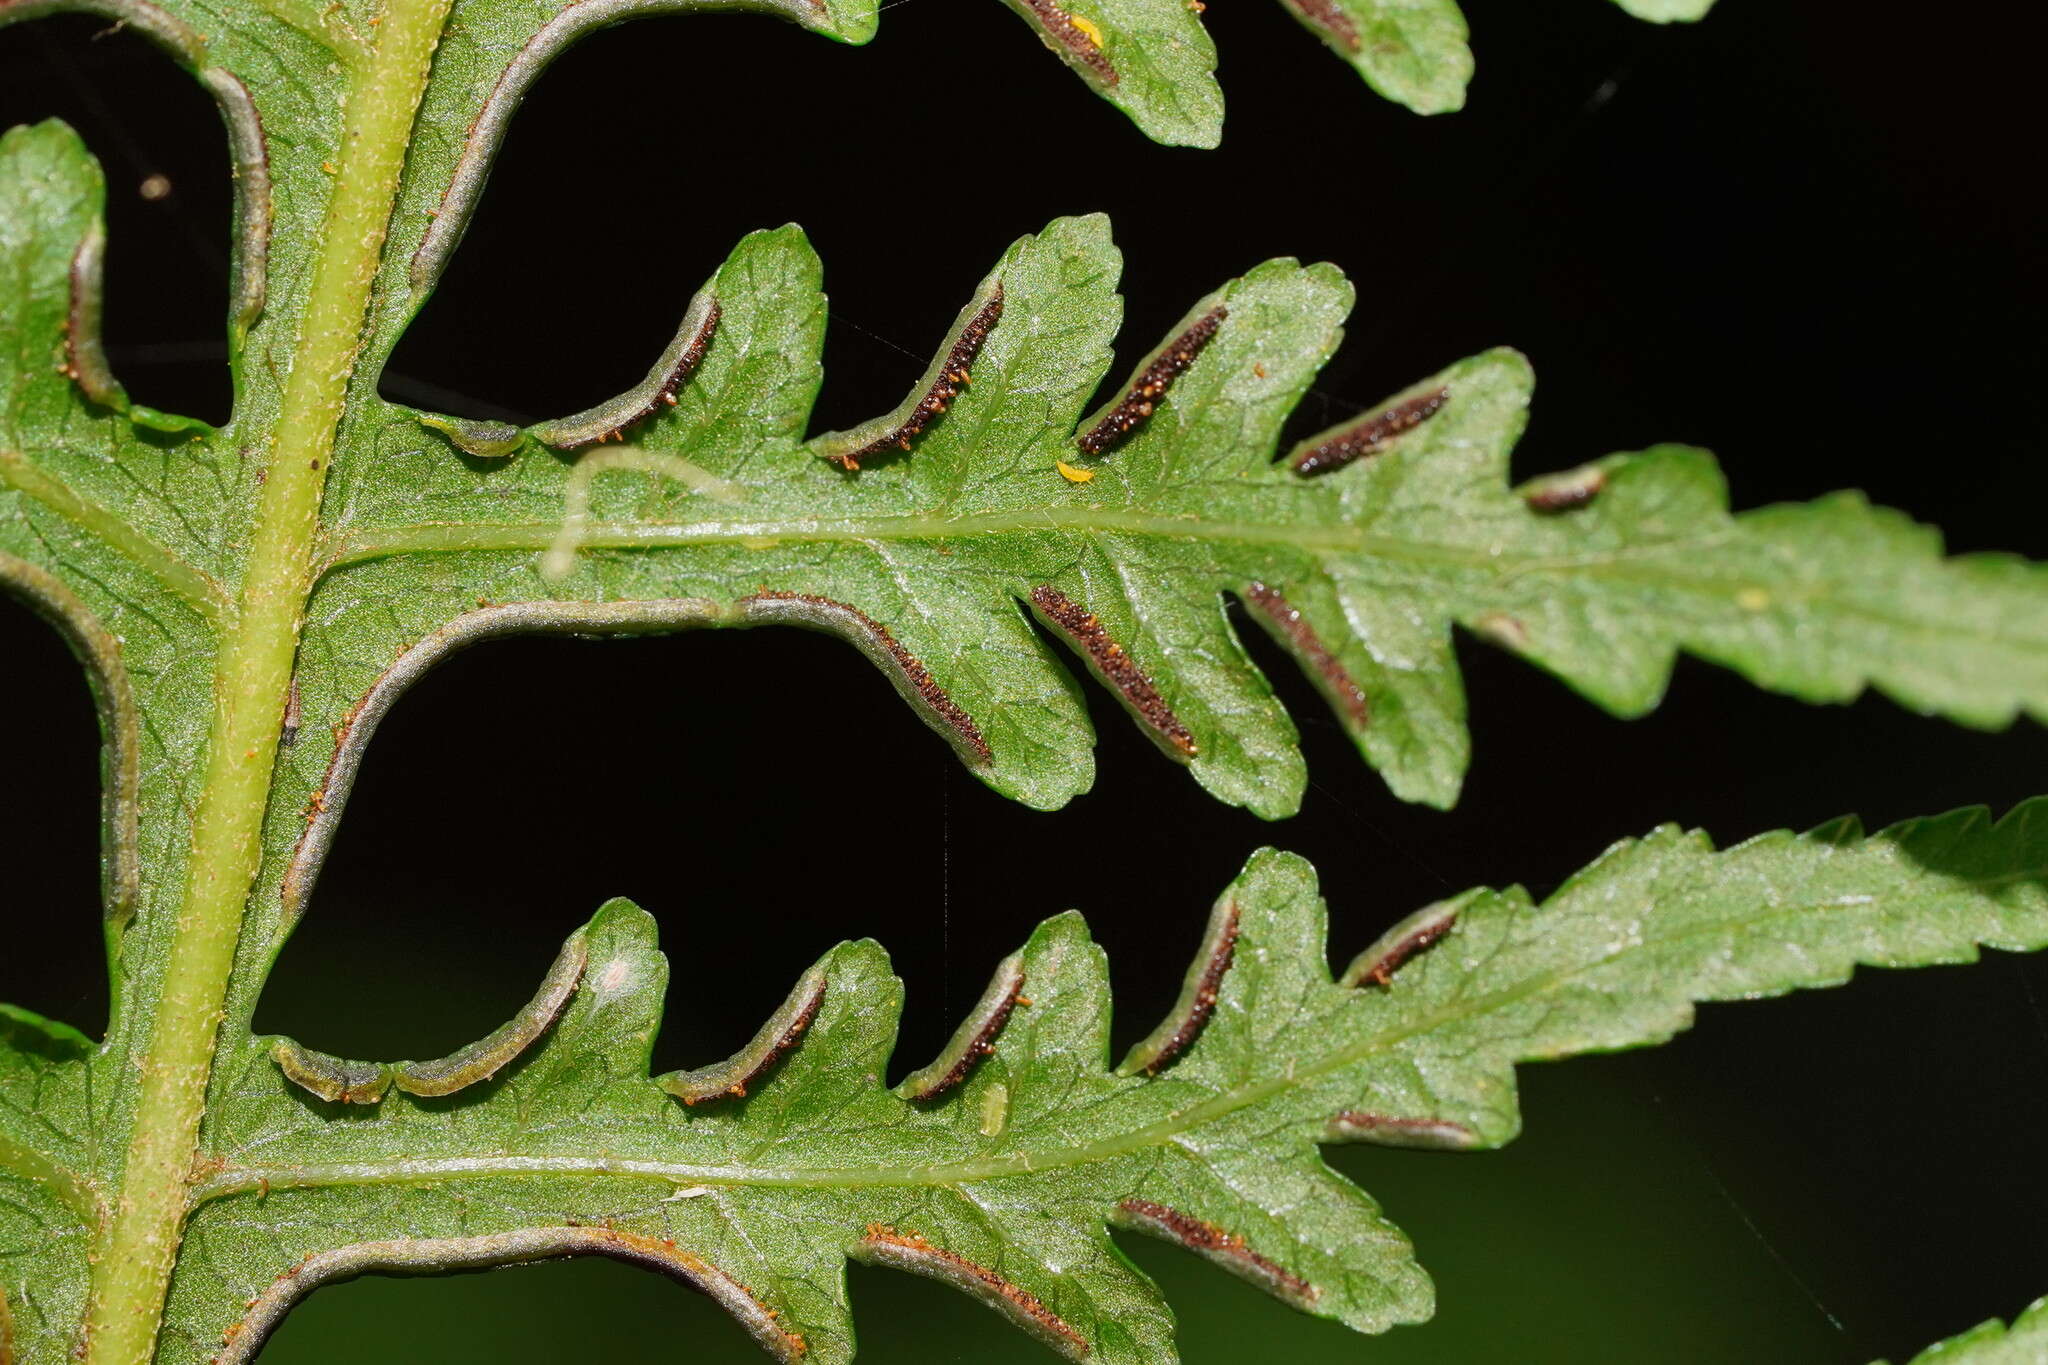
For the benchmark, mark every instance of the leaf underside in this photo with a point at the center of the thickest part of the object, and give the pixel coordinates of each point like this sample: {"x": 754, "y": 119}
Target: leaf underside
{"x": 952, "y": 559}
{"x": 1154, "y": 60}
{"x": 1006, "y": 1183}
{"x": 992, "y": 543}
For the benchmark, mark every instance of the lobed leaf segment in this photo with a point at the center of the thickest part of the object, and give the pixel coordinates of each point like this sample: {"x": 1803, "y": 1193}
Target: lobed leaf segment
{"x": 1154, "y": 60}
{"x": 756, "y": 1179}
{"x": 926, "y": 536}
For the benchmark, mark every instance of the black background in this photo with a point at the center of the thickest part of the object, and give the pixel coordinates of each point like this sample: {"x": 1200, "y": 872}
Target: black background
{"x": 1794, "y": 234}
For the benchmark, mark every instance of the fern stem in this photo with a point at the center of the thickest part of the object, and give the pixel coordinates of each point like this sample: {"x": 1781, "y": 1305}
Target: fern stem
{"x": 139, "y": 1246}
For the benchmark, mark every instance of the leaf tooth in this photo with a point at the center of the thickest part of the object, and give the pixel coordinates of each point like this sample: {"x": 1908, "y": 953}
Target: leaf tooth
{"x": 1412, "y": 935}
{"x": 1113, "y": 665}
{"x": 737, "y": 1074}
{"x": 1414, "y": 55}
{"x": 1214, "y": 1244}
{"x": 1993, "y": 1342}
{"x": 884, "y": 1245}
{"x": 974, "y": 1039}
{"x": 949, "y": 374}
{"x": 1198, "y": 994}
{"x": 491, "y": 1054}
{"x": 609, "y": 420}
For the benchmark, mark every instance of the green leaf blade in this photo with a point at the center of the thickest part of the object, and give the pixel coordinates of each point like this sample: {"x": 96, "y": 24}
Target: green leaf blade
{"x": 928, "y": 558}
{"x": 1150, "y": 58}
{"x": 1153, "y": 60}
{"x": 1412, "y": 52}
{"x": 1773, "y": 914}
{"x": 1004, "y": 1184}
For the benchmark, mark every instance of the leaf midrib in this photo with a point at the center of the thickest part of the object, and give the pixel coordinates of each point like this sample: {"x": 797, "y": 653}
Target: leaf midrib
{"x": 1669, "y": 563}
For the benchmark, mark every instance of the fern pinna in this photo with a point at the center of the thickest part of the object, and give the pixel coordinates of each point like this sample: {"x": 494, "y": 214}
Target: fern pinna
{"x": 286, "y": 575}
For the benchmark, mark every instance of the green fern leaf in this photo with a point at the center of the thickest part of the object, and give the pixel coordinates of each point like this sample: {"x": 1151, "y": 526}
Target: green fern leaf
{"x": 1005, "y": 1181}
{"x": 1153, "y": 59}
{"x": 249, "y": 600}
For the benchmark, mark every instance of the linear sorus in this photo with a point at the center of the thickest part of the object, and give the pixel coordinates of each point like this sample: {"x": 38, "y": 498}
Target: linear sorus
{"x": 609, "y": 420}
{"x": 427, "y": 1255}
{"x": 974, "y": 1039}
{"x": 488, "y": 1055}
{"x": 1328, "y": 18}
{"x": 1357, "y": 1125}
{"x": 1078, "y": 40}
{"x": 85, "y": 359}
{"x": 1199, "y": 990}
{"x": 1285, "y": 623}
{"x": 1363, "y": 436}
{"x": 951, "y": 372}
{"x": 1411, "y": 936}
{"x": 740, "y": 1072}
{"x": 1566, "y": 492}
{"x": 358, "y": 724}
{"x": 884, "y": 1245}
{"x": 334, "y": 1079}
{"x": 1109, "y": 662}
{"x": 346, "y": 1082}
{"x": 1226, "y": 1249}
{"x": 912, "y": 679}
{"x": 1154, "y": 378}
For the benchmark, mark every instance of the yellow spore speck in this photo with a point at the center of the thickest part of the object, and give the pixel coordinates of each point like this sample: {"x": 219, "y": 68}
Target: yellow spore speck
{"x": 1087, "y": 27}
{"x": 1753, "y": 599}
{"x": 1073, "y": 475}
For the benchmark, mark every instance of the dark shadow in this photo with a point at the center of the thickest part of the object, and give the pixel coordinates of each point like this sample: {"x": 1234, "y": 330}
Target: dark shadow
{"x": 585, "y": 250}
{"x": 1866, "y": 1136}
{"x": 52, "y": 958}
{"x": 583, "y": 1309}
